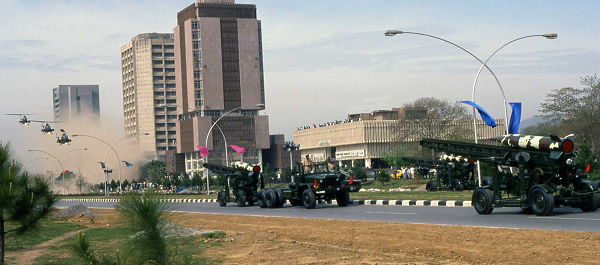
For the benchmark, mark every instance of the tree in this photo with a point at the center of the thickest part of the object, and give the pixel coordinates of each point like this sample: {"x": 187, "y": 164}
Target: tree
{"x": 80, "y": 181}
{"x": 153, "y": 171}
{"x": 544, "y": 128}
{"x": 394, "y": 158}
{"x": 430, "y": 118}
{"x": 382, "y": 176}
{"x": 576, "y": 109}
{"x": 197, "y": 180}
{"x": 125, "y": 184}
{"x": 24, "y": 200}
{"x": 586, "y": 157}
{"x": 358, "y": 171}
{"x": 186, "y": 181}
{"x": 269, "y": 173}
{"x": 286, "y": 174}
{"x": 113, "y": 184}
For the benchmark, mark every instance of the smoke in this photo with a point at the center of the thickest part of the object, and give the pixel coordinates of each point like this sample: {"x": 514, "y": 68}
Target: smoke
{"x": 73, "y": 157}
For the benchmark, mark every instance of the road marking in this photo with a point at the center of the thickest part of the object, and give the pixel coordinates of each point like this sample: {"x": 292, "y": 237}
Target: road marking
{"x": 565, "y": 218}
{"x": 388, "y": 213}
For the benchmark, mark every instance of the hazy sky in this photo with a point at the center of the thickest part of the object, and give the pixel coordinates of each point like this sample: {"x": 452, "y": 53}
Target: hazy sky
{"x": 322, "y": 59}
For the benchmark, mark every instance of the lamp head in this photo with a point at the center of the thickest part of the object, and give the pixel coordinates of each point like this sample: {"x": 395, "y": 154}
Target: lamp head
{"x": 392, "y": 32}
{"x": 550, "y": 36}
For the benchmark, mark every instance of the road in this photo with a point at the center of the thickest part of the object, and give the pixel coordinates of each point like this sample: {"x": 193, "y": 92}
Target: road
{"x": 563, "y": 219}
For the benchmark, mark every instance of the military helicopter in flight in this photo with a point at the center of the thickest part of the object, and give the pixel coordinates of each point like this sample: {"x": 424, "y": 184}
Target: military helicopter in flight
{"x": 46, "y": 129}
{"x": 63, "y": 139}
{"x": 23, "y": 120}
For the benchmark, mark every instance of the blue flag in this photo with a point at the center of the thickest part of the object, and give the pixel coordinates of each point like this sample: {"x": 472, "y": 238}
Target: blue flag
{"x": 515, "y": 117}
{"x": 127, "y": 163}
{"x": 485, "y": 116}
{"x": 102, "y": 164}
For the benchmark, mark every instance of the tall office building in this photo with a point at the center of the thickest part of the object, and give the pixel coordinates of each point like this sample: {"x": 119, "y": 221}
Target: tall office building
{"x": 76, "y": 104}
{"x": 148, "y": 71}
{"x": 218, "y": 53}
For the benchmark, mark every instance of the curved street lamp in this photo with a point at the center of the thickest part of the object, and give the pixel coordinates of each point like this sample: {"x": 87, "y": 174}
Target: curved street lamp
{"x": 61, "y": 166}
{"x": 118, "y": 158}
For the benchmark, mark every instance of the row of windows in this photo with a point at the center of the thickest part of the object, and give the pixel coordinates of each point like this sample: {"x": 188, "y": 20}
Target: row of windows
{"x": 197, "y": 73}
{"x": 160, "y": 54}
{"x": 197, "y": 64}
{"x": 196, "y": 45}
{"x": 165, "y": 133}
{"x": 163, "y": 109}
{"x": 162, "y": 117}
{"x": 161, "y": 62}
{"x": 199, "y": 102}
{"x": 160, "y": 70}
{"x": 198, "y": 84}
{"x": 163, "y": 85}
{"x": 156, "y": 46}
{"x": 197, "y": 55}
{"x": 195, "y": 24}
{"x": 162, "y": 101}
{"x": 195, "y": 35}
{"x": 171, "y": 148}
{"x": 171, "y": 93}
{"x": 161, "y": 124}
{"x": 160, "y": 77}
{"x": 198, "y": 94}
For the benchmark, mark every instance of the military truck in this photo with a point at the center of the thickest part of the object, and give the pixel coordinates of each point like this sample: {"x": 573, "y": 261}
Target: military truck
{"x": 532, "y": 172}
{"x": 243, "y": 179}
{"x": 310, "y": 184}
{"x": 451, "y": 173}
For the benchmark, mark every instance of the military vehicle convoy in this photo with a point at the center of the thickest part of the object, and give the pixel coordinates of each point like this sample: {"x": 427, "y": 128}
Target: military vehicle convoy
{"x": 533, "y": 173}
{"x": 243, "y": 178}
{"x": 453, "y": 173}
{"x": 310, "y": 184}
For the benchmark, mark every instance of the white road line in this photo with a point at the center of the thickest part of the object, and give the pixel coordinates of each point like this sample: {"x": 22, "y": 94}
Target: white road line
{"x": 388, "y": 213}
{"x": 564, "y": 218}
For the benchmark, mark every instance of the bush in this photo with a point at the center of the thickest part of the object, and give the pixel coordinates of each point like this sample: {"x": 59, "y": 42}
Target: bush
{"x": 382, "y": 176}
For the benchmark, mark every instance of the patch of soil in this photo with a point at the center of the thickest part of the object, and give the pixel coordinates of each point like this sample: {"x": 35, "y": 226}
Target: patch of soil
{"x": 29, "y": 254}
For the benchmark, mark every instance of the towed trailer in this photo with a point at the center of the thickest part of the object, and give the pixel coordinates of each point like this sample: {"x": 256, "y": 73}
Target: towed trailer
{"x": 452, "y": 173}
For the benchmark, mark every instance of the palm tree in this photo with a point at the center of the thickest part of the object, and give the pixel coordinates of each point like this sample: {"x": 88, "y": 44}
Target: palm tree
{"x": 24, "y": 200}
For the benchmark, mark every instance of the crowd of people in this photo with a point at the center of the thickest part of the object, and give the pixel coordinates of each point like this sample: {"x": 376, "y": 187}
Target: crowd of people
{"x": 329, "y": 123}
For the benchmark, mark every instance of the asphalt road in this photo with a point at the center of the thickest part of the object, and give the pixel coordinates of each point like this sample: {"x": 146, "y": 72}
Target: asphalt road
{"x": 563, "y": 219}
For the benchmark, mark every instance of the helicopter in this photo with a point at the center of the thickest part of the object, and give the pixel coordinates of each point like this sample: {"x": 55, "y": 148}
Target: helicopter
{"x": 63, "y": 139}
{"x": 46, "y": 129}
{"x": 23, "y": 120}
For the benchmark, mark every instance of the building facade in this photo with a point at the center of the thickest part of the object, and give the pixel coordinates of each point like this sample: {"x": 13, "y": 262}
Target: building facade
{"x": 276, "y": 156}
{"x": 367, "y": 137}
{"x": 148, "y": 74}
{"x": 218, "y": 53}
{"x": 76, "y": 104}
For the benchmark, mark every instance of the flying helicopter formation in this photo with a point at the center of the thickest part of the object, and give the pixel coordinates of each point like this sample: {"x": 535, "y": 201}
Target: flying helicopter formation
{"x": 46, "y": 128}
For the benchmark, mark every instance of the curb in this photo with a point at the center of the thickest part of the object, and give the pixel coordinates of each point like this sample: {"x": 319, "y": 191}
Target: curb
{"x": 422, "y": 203}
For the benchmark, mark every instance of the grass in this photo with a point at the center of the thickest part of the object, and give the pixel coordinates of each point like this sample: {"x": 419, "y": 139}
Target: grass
{"x": 50, "y": 228}
{"x": 413, "y": 195}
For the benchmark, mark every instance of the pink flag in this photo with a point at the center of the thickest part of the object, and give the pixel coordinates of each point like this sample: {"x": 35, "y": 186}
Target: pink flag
{"x": 203, "y": 150}
{"x": 238, "y": 149}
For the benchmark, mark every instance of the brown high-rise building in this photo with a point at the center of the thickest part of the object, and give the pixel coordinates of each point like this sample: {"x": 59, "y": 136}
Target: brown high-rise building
{"x": 218, "y": 54}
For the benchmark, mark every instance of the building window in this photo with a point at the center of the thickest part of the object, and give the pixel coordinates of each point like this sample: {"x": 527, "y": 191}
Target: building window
{"x": 159, "y": 93}
{"x": 171, "y": 108}
{"x": 195, "y": 164}
{"x": 249, "y": 112}
{"x": 195, "y": 44}
{"x": 197, "y": 54}
{"x": 195, "y": 24}
{"x": 169, "y": 54}
{"x": 156, "y": 46}
{"x": 159, "y": 117}
{"x": 157, "y": 77}
{"x": 161, "y": 133}
{"x": 169, "y": 47}
{"x": 156, "y": 62}
{"x": 171, "y": 101}
{"x": 171, "y": 116}
{"x": 159, "y": 109}
{"x": 171, "y": 124}
{"x": 170, "y": 77}
{"x": 198, "y": 84}
{"x": 159, "y": 101}
{"x": 161, "y": 148}
{"x": 159, "y": 124}
{"x": 157, "y": 70}
{"x": 199, "y": 102}
{"x": 197, "y": 73}
{"x": 197, "y": 64}
{"x": 157, "y": 54}
{"x": 172, "y": 133}
{"x": 171, "y": 93}
{"x": 161, "y": 141}
{"x": 213, "y": 113}
{"x": 170, "y": 70}
{"x": 195, "y": 35}
{"x": 169, "y": 62}
{"x": 198, "y": 93}
{"x": 170, "y": 85}
{"x": 172, "y": 148}
{"x": 159, "y": 85}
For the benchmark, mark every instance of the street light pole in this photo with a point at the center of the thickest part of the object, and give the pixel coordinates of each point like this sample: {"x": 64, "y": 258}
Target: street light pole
{"x": 290, "y": 146}
{"x": 108, "y": 149}
{"x": 119, "y": 159}
{"x": 61, "y": 166}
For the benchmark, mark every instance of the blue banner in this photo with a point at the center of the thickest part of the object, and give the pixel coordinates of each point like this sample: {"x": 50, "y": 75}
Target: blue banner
{"x": 485, "y": 116}
{"x": 515, "y": 117}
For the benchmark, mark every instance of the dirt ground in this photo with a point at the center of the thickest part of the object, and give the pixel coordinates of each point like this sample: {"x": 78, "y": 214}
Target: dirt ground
{"x": 277, "y": 240}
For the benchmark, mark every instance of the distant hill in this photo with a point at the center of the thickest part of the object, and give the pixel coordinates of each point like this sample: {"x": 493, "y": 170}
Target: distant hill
{"x": 531, "y": 121}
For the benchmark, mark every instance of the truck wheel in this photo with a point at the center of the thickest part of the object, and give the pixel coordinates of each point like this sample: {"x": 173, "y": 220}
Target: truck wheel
{"x": 482, "y": 200}
{"x": 431, "y": 186}
{"x": 262, "y": 202}
{"x": 457, "y": 186}
{"x": 280, "y": 198}
{"x": 487, "y": 181}
{"x": 241, "y": 199}
{"x": 221, "y": 199}
{"x": 308, "y": 199}
{"x": 342, "y": 198}
{"x": 541, "y": 202}
{"x": 271, "y": 198}
{"x": 591, "y": 204}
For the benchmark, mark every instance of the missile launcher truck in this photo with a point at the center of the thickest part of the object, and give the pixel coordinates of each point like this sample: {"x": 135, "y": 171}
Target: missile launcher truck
{"x": 544, "y": 179}
{"x": 310, "y": 184}
{"x": 244, "y": 179}
{"x": 453, "y": 173}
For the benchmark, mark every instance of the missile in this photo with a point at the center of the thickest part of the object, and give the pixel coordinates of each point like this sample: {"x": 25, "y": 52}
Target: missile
{"x": 556, "y": 145}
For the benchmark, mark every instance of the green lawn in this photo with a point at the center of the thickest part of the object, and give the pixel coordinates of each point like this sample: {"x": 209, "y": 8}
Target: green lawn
{"x": 49, "y": 229}
{"x": 413, "y": 195}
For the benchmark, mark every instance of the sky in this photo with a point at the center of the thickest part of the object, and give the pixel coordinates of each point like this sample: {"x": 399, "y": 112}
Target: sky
{"x": 322, "y": 59}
